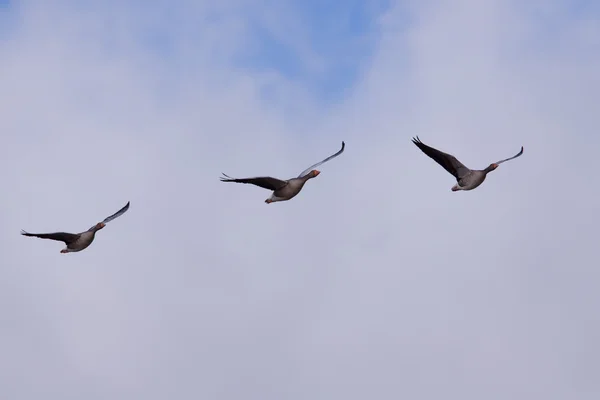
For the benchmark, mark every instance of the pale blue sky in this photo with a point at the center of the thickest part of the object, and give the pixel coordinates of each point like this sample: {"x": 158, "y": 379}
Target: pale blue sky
{"x": 8, "y": 17}
{"x": 342, "y": 33}
{"x": 340, "y": 37}
{"x": 376, "y": 281}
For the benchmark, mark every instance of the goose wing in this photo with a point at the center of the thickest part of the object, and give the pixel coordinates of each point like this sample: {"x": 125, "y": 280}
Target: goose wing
{"x": 307, "y": 170}
{"x": 117, "y": 214}
{"x": 510, "y": 158}
{"x": 59, "y": 236}
{"x": 265, "y": 182}
{"x": 448, "y": 161}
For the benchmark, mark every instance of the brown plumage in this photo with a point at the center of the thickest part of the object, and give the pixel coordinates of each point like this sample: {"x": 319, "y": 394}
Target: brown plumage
{"x": 467, "y": 179}
{"x": 77, "y": 241}
{"x": 284, "y": 190}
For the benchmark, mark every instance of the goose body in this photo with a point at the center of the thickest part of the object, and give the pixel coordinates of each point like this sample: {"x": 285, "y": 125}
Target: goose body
{"x": 466, "y": 179}
{"x": 82, "y": 242}
{"x": 77, "y": 241}
{"x": 284, "y": 190}
{"x": 470, "y": 181}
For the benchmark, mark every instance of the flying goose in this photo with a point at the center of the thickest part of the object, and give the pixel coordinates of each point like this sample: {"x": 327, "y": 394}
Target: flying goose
{"x": 284, "y": 190}
{"x": 467, "y": 179}
{"x": 77, "y": 241}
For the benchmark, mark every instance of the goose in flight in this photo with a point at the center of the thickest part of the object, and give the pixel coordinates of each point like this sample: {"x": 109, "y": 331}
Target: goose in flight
{"x": 467, "y": 179}
{"x": 77, "y": 241}
{"x": 284, "y": 189}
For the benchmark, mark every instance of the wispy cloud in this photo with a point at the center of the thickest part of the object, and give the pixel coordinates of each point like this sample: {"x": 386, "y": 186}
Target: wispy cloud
{"x": 376, "y": 281}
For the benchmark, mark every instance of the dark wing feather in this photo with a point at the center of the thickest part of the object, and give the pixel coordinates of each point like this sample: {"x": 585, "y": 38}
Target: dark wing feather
{"x": 265, "y": 182}
{"x": 508, "y": 159}
{"x": 117, "y": 214}
{"x": 448, "y": 161}
{"x": 322, "y": 162}
{"x": 60, "y": 236}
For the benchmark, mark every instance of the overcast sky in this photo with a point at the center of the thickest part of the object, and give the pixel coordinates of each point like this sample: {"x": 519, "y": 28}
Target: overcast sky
{"x": 377, "y": 281}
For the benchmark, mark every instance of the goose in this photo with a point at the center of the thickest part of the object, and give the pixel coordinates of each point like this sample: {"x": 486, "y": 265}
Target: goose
{"x": 284, "y": 189}
{"x": 77, "y": 241}
{"x": 467, "y": 179}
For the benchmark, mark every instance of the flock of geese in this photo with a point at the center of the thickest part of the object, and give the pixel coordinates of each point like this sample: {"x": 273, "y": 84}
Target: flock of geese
{"x": 466, "y": 179}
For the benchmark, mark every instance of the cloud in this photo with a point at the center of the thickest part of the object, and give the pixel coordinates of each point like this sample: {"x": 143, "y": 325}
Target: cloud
{"x": 376, "y": 281}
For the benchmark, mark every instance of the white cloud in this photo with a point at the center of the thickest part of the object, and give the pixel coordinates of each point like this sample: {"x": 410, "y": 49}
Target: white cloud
{"x": 375, "y": 282}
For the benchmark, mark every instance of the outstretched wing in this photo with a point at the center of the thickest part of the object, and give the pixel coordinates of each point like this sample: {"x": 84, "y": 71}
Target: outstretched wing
{"x": 117, "y": 214}
{"x": 448, "y": 161}
{"x": 508, "y": 159}
{"x": 307, "y": 170}
{"x": 59, "y": 236}
{"x": 265, "y": 182}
